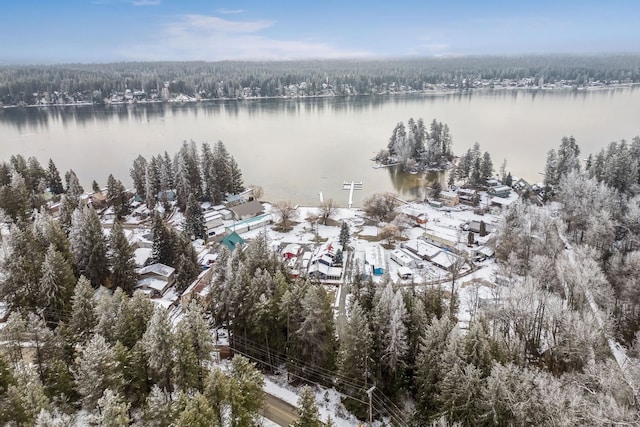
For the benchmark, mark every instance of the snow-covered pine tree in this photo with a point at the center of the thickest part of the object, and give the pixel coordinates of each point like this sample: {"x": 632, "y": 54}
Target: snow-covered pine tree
{"x": 308, "y": 414}
{"x": 96, "y": 370}
{"x": 122, "y": 261}
{"x": 158, "y": 342}
{"x": 83, "y": 317}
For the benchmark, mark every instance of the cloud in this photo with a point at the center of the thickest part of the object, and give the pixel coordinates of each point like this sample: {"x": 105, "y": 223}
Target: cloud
{"x": 211, "y": 38}
{"x": 146, "y": 2}
{"x": 229, "y": 11}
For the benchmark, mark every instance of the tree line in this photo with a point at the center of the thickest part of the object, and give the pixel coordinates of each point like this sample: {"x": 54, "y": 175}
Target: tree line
{"x": 232, "y": 79}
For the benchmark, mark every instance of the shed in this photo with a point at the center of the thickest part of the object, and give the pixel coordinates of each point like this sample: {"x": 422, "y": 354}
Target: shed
{"x": 405, "y": 273}
{"x": 232, "y": 241}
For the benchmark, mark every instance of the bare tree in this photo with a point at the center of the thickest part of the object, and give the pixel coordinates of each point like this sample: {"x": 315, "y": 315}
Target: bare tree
{"x": 327, "y": 209}
{"x": 286, "y": 211}
{"x": 257, "y": 191}
{"x": 390, "y": 233}
{"x": 380, "y": 206}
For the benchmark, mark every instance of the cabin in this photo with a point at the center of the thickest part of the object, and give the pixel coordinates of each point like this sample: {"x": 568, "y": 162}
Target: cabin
{"x": 155, "y": 279}
{"x": 502, "y": 191}
{"x": 449, "y": 198}
{"x": 468, "y": 196}
{"x": 212, "y": 222}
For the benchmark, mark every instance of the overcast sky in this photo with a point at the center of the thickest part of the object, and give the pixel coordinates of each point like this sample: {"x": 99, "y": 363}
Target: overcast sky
{"x": 54, "y": 31}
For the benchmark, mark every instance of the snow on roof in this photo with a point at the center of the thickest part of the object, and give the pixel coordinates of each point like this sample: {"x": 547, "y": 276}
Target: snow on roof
{"x": 157, "y": 268}
{"x": 142, "y": 255}
{"x": 421, "y": 248}
{"x": 152, "y": 283}
{"x": 374, "y": 255}
{"x": 292, "y": 248}
{"x": 445, "y": 259}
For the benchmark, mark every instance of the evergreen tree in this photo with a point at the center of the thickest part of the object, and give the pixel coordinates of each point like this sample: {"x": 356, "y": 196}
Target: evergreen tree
{"x": 117, "y": 197}
{"x": 245, "y": 392}
{"x": 139, "y": 175}
{"x": 186, "y": 265}
{"x": 237, "y": 184}
{"x": 158, "y": 342}
{"x": 194, "y": 219}
{"x": 314, "y": 342}
{"x": 354, "y": 365}
{"x": 83, "y": 318}
{"x": 345, "y": 234}
{"x": 122, "y": 261}
{"x": 224, "y": 178}
{"x": 89, "y": 246}
{"x": 486, "y": 167}
{"x": 53, "y": 179}
{"x": 112, "y": 410}
{"x": 26, "y": 395}
{"x": 96, "y": 371}
{"x": 197, "y": 412}
{"x": 163, "y": 241}
{"x": 158, "y": 409}
{"x": 21, "y": 266}
{"x": 68, "y": 204}
{"x": 217, "y": 387}
{"x": 56, "y": 285}
{"x": 194, "y": 340}
{"x": 73, "y": 189}
{"x": 308, "y": 412}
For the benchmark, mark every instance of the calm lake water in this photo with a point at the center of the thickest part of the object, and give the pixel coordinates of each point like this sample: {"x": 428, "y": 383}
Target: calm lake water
{"x": 296, "y": 148}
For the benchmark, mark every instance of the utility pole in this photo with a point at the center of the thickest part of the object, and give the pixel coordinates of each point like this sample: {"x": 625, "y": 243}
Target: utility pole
{"x": 369, "y": 393}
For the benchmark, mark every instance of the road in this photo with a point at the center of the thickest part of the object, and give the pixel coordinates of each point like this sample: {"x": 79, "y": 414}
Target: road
{"x": 278, "y": 411}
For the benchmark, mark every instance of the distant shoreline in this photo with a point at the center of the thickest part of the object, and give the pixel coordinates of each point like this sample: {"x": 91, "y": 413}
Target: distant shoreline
{"x": 426, "y": 92}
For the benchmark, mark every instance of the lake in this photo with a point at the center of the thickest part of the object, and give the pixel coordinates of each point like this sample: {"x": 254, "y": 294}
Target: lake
{"x": 296, "y": 148}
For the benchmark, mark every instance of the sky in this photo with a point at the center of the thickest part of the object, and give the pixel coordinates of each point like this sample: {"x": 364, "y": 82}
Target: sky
{"x": 62, "y": 31}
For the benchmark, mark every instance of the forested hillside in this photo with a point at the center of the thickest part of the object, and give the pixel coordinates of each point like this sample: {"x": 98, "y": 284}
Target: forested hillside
{"x": 72, "y": 83}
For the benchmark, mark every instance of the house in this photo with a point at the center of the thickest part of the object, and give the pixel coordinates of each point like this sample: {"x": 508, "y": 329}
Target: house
{"x": 292, "y": 250}
{"x": 500, "y": 191}
{"x": 322, "y": 271}
{"x": 405, "y": 273}
{"x": 441, "y": 238}
{"x": 404, "y": 258}
{"x": 167, "y": 196}
{"x": 198, "y": 289}
{"x": 492, "y": 182}
{"x": 475, "y": 227}
{"x": 155, "y": 279}
{"x": 212, "y": 222}
{"x": 447, "y": 260}
{"x": 234, "y": 199}
{"x": 449, "y": 198}
{"x": 232, "y": 241}
{"x": 483, "y": 252}
{"x": 468, "y": 196}
{"x": 421, "y": 249}
{"x": 374, "y": 259}
{"x": 521, "y": 186}
{"x": 246, "y": 210}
